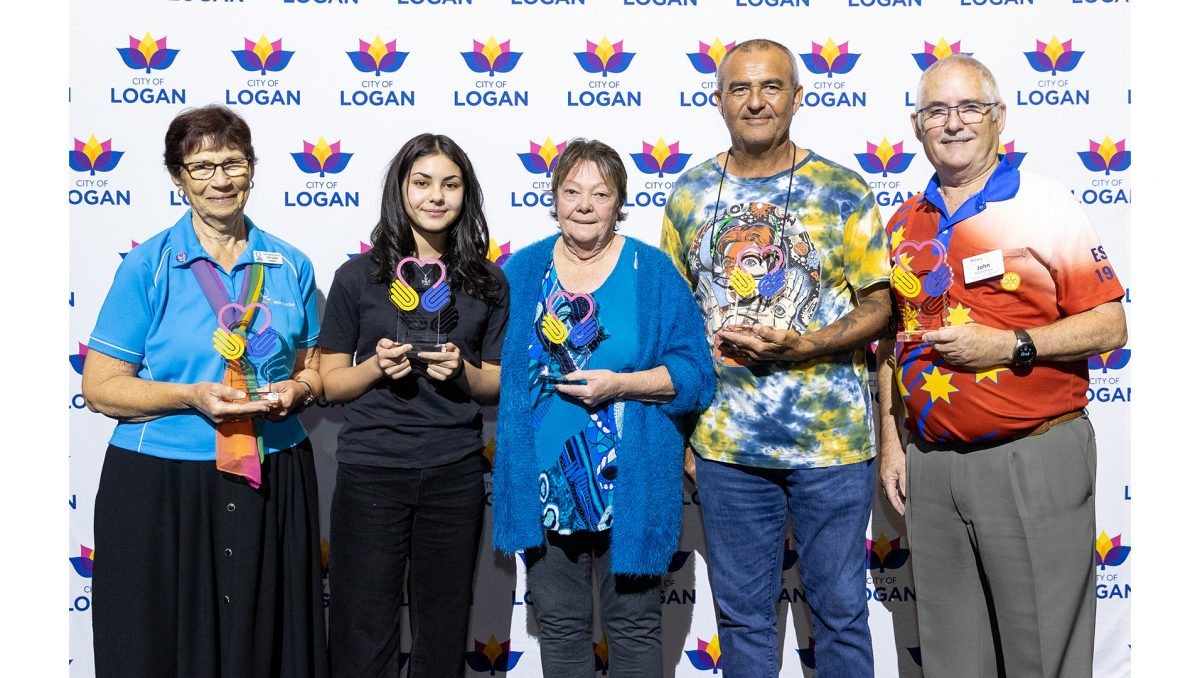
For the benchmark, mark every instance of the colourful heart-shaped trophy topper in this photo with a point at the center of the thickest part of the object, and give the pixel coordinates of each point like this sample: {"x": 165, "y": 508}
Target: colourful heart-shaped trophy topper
{"x": 435, "y": 296}
{"x": 228, "y": 345}
{"x": 243, "y": 316}
{"x": 771, "y": 282}
{"x": 584, "y": 330}
{"x": 903, "y": 279}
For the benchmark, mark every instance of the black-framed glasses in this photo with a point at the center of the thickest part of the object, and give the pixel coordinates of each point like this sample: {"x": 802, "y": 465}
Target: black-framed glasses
{"x": 970, "y": 113}
{"x": 234, "y": 167}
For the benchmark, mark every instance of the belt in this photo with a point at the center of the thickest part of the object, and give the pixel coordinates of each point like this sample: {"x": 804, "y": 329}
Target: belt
{"x": 1050, "y": 423}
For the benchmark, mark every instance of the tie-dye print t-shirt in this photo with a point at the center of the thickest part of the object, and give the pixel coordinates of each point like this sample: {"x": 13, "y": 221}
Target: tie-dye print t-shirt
{"x": 789, "y": 262}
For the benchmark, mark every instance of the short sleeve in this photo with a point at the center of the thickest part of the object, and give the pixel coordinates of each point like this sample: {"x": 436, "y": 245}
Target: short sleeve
{"x": 339, "y": 327}
{"x": 497, "y": 323}
{"x": 864, "y": 245}
{"x": 671, "y": 241}
{"x": 1083, "y": 276}
{"x": 127, "y": 313}
{"x": 308, "y": 293}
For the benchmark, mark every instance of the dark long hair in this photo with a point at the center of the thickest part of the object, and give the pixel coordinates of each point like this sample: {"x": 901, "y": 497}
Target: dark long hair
{"x": 467, "y": 244}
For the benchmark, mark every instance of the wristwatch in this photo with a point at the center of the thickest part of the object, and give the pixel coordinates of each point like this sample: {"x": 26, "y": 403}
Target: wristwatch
{"x": 312, "y": 395}
{"x": 1024, "y": 353}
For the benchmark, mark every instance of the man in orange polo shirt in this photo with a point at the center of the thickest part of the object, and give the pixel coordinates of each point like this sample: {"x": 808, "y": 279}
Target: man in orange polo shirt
{"x": 1002, "y": 292}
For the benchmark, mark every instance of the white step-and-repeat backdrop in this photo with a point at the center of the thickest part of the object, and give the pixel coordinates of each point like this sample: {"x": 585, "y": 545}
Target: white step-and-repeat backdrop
{"x": 332, "y": 88}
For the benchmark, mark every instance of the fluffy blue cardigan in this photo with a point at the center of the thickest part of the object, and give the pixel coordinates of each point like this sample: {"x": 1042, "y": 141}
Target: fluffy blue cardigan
{"x": 647, "y": 500}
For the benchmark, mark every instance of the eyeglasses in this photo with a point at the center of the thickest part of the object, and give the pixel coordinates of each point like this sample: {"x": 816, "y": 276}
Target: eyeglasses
{"x": 769, "y": 90}
{"x": 969, "y": 113}
{"x": 234, "y": 167}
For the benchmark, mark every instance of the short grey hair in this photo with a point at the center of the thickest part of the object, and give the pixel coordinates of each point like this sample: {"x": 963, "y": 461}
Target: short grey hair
{"x": 991, "y": 91}
{"x": 757, "y": 45}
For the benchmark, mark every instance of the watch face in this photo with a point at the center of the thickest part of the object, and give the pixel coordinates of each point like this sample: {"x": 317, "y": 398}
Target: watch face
{"x": 1025, "y": 354}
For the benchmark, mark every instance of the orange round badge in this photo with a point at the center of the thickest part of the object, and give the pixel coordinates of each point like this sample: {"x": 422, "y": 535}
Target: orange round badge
{"x": 1010, "y": 282}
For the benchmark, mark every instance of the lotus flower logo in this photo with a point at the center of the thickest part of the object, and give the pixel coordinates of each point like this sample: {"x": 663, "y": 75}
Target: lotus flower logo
{"x": 378, "y": 57}
{"x": 94, "y": 156}
{"x": 1113, "y": 360}
{"x": 78, "y": 359}
{"x": 884, "y": 158}
{"x": 808, "y": 656}
{"x": 497, "y": 253}
{"x": 132, "y": 244}
{"x": 605, "y": 58}
{"x": 660, "y": 158}
{"x": 1109, "y": 552}
{"x": 830, "y": 58}
{"x": 491, "y": 58}
{"x": 933, "y": 53}
{"x": 542, "y": 158}
{"x": 1053, "y": 56}
{"x": 1010, "y": 153}
{"x": 709, "y": 56}
{"x": 492, "y": 657}
{"x": 601, "y": 651}
{"x": 322, "y": 158}
{"x": 883, "y": 554}
{"x": 489, "y": 454}
{"x": 1106, "y": 156}
{"x": 148, "y": 53}
{"x": 706, "y": 656}
{"x": 84, "y": 562}
{"x": 263, "y": 56}
{"x": 678, "y": 561}
{"x": 363, "y": 248}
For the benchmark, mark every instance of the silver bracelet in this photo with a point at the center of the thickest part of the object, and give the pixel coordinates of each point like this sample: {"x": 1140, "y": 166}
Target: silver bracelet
{"x": 312, "y": 393}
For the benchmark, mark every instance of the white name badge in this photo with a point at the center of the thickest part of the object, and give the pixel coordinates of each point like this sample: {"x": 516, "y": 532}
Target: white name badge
{"x": 267, "y": 257}
{"x": 980, "y": 267}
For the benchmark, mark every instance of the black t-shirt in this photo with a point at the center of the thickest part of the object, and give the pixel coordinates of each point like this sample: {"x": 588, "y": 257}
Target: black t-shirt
{"x": 414, "y": 422}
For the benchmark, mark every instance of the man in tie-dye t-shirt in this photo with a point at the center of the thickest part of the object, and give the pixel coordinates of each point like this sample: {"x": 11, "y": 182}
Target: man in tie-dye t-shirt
{"x": 1003, "y": 291}
{"x": 787, "y": 257}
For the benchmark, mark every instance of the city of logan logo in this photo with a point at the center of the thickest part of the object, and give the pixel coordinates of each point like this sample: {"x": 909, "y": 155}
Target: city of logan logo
{"x": 884, "y": 554}
{"x": 377, "y": 57}
{"x": 1109, "y": 552}
{"x": 492, "y": 656}
{"x": 1010, "y": 152}
{"x": 1054, "y": 56}
{"x": 709, "y": 57}
{"x": 263, "y": 56}
{"x": 660, "y": 158}
{"x": 78, "y": 359}
{"x": 542, "y": 158}
{"x": 491, "y": 57}
{"x": 84, "y": 562}
{"x": 1106, "y": 156}
{"x": 94, "y": 156}
{"x": 830, "y": 58}
{"x": 941, "y": 50}
{"x": 148, "y": 54}
{"x": 706, "y": 656}
{"x": 605, "y": 57}
{"x": 1112, "y": 360}
{"x": 322, "y": 158}
{"x": 884, "y": 158}
{"x": 498, "y": 254}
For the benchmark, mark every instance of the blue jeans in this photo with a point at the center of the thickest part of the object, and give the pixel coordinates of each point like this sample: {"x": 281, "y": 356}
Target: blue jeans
{"x": 745, "y": 515}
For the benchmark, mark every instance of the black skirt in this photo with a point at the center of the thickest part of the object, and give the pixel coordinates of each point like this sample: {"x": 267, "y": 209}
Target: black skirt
{"x": 198, "y": 575}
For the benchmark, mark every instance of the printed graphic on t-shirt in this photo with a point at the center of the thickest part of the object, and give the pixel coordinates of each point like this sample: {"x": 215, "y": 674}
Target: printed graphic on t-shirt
{"x": 755, "y": 263}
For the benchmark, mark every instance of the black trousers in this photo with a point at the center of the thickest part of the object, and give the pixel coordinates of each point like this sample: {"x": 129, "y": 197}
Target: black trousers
{"x": 198, "y": 575}
{"x": 382, "y": 520}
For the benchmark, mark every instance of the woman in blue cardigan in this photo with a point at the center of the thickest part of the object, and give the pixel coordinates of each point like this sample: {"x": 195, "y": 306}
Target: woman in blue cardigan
{"x": 604, "y": 360}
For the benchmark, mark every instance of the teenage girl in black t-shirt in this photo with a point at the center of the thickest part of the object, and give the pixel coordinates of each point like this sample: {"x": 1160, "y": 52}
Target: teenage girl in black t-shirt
{"x": 410, "y": 342}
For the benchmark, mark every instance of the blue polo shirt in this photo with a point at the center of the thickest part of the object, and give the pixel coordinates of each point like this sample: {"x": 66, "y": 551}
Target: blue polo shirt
{"x": 156, "y": 317}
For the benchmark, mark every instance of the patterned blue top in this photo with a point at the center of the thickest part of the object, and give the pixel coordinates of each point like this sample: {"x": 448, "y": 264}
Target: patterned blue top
{"x": 576, "y": 447}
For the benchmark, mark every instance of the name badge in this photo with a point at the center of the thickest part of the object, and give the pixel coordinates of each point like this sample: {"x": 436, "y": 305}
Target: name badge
{"x": 267, "y": 257}
{"x": 981, "y": 267}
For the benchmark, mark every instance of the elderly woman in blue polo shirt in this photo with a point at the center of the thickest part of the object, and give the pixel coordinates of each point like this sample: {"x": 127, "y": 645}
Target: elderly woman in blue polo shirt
{"x": 604, "y": 359}
{"x": 206, "y": 515}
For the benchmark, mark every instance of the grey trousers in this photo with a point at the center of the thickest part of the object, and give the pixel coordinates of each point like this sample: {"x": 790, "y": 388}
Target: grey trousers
{"x": 1002, "y": 540}
{"x": 559, "y": 579}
